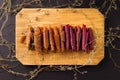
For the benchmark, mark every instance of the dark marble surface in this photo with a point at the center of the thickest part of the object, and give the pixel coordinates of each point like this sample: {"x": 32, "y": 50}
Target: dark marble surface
{"x": 106, "y": 70}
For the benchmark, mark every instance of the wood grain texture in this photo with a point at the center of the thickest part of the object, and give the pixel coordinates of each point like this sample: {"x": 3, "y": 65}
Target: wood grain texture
{"x": 56, "y": 17}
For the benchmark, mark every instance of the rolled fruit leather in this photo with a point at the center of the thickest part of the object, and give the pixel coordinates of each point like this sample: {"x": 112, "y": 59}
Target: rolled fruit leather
{"x": 62, "y": 37}
{"x": 57, "y": 39}
{"x": 52, "y": 41}
{"x": 29, "y": 37}
{"x": 46, "y": 38}
{"x": 38, "y": 39}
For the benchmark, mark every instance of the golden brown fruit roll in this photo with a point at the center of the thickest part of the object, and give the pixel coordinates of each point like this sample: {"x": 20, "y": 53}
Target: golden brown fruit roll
{"x": 57, "y": 38}
{"x": 62, "y": 38}
{"x": 30, "y": 37}
{"x": 45, "y": 38}
{"x": 38, "y": 39}
{"x": 52, "y": 41}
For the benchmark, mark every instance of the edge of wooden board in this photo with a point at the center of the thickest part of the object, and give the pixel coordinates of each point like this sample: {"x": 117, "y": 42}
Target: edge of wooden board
{"x": 41, "y": 63}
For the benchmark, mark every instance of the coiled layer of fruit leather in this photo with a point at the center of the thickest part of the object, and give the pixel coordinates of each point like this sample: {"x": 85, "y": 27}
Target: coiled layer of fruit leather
{"x": 52, "y": 41}
{"x": 38, "y": 39}
{"x": 91, "y": 39}
{"x": 86, "y": 42}
{"x": 78, "y": 38}
{"x": 67, "y": 36}
{"x": 62, "y": 38}
{"x": 72, "y": 38}
{"x": 57, "y": 39}
{"x": 84, "y": 37}
{"x": 45, "y": 38}
{"x": 30, "y": 37}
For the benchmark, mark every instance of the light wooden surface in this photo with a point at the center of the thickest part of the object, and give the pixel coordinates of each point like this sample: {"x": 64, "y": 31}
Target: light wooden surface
{"x": 46, "y": 17}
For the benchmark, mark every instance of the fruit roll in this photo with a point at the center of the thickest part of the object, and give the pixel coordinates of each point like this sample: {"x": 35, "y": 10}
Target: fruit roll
{"x": 52, "y": 41}
{"x": 91, "y": 39}
{"x": 72, "y": 38}
{"x": 38, "y": 39}
{"x": 30, "y": 38}
{"x": 67, "y": 36}
{"x": 62, "y": 38}
{"x": 46, "y": 38}
{"x": 57, "y": 39}
{"x": 78, "y": 38}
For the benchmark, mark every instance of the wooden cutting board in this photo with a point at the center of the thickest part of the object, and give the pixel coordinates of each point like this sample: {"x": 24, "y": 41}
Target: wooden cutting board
{"x": 50, "y": 16}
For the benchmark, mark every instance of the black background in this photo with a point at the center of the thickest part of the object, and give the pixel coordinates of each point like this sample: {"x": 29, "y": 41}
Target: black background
{"x": 106, "y": 70}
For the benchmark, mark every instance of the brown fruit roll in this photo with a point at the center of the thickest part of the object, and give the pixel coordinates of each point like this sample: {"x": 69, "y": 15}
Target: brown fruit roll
{"x": 46, "y": 38}
{"x": 57, "y": 39}
{"x": 30, "y": 38}
{"x": 52, "y": 41}
{"x": 62, "y": 38}
{"x": 38, "y": 39}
